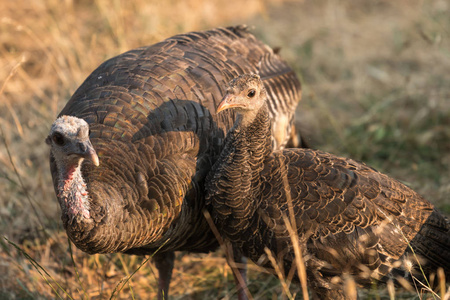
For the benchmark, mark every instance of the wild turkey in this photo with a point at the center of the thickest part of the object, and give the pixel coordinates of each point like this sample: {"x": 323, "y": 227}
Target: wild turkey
{"x": 349, "y": 218}
{"x": 149, "y": 116}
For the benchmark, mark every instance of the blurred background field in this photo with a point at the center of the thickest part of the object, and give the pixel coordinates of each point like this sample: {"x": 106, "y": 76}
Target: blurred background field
{"x": 376, "y": 87}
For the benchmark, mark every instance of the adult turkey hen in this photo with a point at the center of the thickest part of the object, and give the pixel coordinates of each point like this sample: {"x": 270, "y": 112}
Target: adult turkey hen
{"x": 349, "y": 218}
{"x": 130, "y": 150}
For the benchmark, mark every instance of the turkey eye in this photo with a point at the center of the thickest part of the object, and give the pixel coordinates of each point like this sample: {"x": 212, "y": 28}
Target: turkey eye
{"x": 58, "y": 139}
{"x": 251, "y": 93}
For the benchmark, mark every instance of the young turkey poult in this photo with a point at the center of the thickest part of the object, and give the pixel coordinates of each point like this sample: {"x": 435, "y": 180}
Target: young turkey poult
{"x": 349, "y": 218}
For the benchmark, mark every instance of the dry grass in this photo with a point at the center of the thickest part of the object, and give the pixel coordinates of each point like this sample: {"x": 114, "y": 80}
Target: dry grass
{"x": 376, "y": 88}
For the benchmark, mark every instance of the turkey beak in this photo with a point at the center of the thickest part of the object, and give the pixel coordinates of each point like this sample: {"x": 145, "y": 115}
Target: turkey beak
{"x": 226, "y": 103}
{"x": 88, "y": 152}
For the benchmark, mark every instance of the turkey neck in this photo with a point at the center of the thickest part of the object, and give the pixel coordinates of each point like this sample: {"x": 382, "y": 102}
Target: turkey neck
{"x": 233, "y": 185}
{"x": 72, "y": 191}
{"x": 246, "y": 146}
{"x": 252, "y": 129}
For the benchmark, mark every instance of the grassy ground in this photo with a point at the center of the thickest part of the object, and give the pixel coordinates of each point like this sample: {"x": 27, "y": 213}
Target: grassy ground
{"x": 375, "y": 88}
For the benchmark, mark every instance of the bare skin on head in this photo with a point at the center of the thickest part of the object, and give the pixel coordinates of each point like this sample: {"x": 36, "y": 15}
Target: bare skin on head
{"x": 70, "y": 146}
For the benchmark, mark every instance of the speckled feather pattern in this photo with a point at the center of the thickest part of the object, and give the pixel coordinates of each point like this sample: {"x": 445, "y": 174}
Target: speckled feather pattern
{"x": 349, "y": 218}
{"x": 152, "y": 122}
